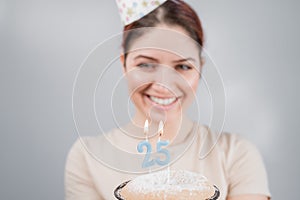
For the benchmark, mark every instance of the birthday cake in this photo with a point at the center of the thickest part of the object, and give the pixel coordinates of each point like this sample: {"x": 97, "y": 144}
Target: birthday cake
{"x": 168, "y": 185}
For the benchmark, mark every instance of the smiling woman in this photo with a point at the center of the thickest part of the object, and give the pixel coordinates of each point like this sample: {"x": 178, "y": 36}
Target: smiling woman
{"x": 162, "y": 64}
{"x": 166, "y": 70}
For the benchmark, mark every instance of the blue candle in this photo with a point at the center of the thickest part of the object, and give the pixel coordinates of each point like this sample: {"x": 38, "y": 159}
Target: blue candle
{"x": 159, "y": 145}
{"x": 148, "y": 162}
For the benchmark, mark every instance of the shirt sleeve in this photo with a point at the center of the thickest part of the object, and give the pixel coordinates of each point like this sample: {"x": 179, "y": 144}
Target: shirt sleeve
{"x": 78, "y": 183}
{"x": 246, "y": 172}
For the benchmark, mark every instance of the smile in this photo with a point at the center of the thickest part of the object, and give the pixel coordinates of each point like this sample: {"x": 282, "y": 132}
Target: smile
{"x": 162, "y": 101}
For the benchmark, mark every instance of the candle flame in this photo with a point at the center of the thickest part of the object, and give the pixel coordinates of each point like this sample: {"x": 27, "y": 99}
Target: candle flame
{"x": 161, "y": 128}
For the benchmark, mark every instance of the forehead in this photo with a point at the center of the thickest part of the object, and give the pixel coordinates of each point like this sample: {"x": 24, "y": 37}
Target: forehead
{"x": 174, "y": 40}
{"x": 155, "y": 53}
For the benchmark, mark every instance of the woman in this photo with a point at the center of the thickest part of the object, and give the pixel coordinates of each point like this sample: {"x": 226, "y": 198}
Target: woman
{"x": 162, "y": 66}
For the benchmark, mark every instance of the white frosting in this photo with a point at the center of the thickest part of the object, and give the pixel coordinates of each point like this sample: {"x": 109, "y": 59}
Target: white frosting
{"x": 171, "y": 181}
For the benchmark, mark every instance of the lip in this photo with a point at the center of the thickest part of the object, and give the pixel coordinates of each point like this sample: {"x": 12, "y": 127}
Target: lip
{"x": 162, "y": 107}
{"x": 161, "y": 97}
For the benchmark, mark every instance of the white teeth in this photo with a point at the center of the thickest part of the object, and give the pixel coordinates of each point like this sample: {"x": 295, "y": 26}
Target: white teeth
{"x": 163, "y": 101}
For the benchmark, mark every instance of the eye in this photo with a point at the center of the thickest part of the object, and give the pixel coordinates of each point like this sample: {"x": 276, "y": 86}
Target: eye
{"x": 146, "y": 65}
{"x": 183, "y": 67}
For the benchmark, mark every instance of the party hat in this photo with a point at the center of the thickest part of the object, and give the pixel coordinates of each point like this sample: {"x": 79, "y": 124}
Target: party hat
{"x": 133, "y": 10}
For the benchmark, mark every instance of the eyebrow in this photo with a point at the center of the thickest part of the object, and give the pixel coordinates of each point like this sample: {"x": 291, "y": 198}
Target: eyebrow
{"x": 147, "y": 57}
{"x": 156, "y": 60}
{"x": 185, "y": 59}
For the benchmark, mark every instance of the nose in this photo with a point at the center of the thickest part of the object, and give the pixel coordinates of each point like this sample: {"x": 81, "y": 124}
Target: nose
{"x": 161, "y": 89}
{"x": 165, "y": 81}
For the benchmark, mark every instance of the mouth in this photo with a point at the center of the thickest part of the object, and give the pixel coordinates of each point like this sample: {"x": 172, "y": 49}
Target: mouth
{"x": 164, "y": 103}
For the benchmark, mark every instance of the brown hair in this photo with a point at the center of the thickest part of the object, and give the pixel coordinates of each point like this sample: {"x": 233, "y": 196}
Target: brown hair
{"x": 172, "y": 12}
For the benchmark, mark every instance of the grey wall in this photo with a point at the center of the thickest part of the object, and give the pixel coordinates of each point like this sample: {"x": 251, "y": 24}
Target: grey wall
{"x": 254, "y": 43}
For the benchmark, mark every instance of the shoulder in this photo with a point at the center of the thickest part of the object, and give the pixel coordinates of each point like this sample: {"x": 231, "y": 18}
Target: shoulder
{"x": 78, "y": 177}
{"x": 225, "y": 142}
{"x": 235, "y": 144}
{"x": 85, "y": 145}
{"x": 239, "y": 151}
{"x": 229, "y": 143}
{"x": 233, "y": 149}
{"x": 78, "y": 151}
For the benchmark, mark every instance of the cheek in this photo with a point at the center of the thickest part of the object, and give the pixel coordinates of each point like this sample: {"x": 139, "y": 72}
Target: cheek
{"x": 134, "y": 81}
{"x": 137, "y": 82}
{"x": 189, "y": 89}
{"x": 135, "y": 77}
{"x": 194, "y": 84}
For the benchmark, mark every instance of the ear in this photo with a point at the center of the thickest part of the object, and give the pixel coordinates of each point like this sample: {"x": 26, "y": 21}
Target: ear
{"x": 122, "y": 59}
{"x": 202, "y": 62}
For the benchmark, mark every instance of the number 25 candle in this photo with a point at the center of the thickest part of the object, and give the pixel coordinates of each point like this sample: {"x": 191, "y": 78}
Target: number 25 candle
{"x": 148, "y": 162}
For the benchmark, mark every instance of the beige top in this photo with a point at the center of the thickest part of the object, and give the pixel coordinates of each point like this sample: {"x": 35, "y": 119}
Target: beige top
{"x": 97, "y": 165}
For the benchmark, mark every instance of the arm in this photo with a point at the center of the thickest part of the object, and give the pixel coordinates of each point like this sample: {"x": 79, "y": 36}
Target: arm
{"x": 248, "y": 197}
{"x": 246, "y": 172}
{"x": 78, "y": 183}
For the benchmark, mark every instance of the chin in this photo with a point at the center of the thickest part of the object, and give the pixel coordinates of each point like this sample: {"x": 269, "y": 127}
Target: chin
{"x": 166, "y": 116}
{"x": 157, "y": 112}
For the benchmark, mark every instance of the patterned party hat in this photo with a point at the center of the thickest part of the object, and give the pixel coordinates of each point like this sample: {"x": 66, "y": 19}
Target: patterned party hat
{"x": 133, "y": 10}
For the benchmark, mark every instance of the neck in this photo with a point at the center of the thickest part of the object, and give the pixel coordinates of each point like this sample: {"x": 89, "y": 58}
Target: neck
{"x": 173, "y": 128}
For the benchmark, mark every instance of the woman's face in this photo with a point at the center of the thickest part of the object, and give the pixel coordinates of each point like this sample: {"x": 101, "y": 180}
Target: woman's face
{"x": 163, "y": 70}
